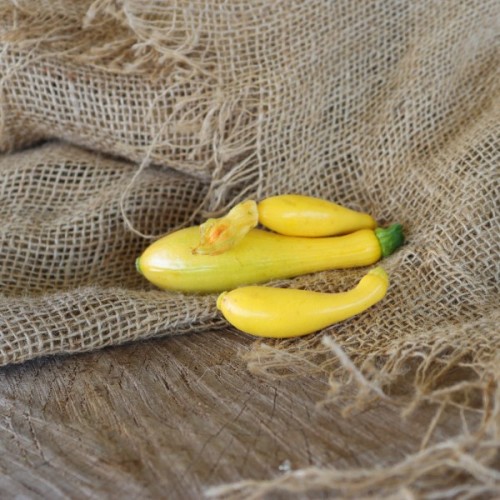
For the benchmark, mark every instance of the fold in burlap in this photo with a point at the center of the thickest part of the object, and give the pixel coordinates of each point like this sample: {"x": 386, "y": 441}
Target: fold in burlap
{"x": 389, "y": 107}
{"x": 69, "y": 282}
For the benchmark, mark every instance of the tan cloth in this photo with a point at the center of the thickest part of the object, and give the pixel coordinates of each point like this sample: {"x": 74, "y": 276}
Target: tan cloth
{"x": 389, "y": 107}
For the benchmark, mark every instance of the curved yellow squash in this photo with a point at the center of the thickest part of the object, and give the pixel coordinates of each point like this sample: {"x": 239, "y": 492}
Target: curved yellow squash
{"x": 286, "y": 312}
{"x": 261, "y": 256}
{"x": 297, "y": 215}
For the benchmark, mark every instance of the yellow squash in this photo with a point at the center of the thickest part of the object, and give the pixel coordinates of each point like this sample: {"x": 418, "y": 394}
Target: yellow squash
{"x": 170, "y": 263}
{"x": 287, "y": 312}
{"x": 297, "y": 215}
{"x": 291, "y": 215}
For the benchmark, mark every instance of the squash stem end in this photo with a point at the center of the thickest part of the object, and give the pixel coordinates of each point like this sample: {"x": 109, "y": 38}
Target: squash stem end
{"x": 390, "y": 238}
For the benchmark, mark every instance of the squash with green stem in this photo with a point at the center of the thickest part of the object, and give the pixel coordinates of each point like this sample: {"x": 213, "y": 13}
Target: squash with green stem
{"x": 260, "y": 256}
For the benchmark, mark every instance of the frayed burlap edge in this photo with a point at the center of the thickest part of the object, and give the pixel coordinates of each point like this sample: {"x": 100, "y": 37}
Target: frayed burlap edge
{"x": 457, "y": 468}
{"x": 111, "y": 35}
{"x": 464, "y": 466}
{"x": 124, "y": 38}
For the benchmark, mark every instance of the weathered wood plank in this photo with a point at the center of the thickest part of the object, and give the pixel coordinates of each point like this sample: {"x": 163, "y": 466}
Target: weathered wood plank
{"x": 174, "y": 416}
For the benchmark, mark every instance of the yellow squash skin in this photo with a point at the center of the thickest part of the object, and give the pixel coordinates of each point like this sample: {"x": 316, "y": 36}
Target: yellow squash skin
{"x": 169, "y": 263}
{"x": 297, "y": 215}
{"x": 286, "y": 312}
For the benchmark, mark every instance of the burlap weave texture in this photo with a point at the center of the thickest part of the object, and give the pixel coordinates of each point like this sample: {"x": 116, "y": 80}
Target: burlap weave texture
{"x": 389, "y": 107}
{"x": 68, "y": 276}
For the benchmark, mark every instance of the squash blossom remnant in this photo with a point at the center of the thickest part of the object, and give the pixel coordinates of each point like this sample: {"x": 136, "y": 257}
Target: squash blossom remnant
{"x": 219, "y": 235}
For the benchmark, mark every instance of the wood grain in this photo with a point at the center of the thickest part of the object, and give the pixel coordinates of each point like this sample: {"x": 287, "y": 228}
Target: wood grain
{"x": 170, "y": 417}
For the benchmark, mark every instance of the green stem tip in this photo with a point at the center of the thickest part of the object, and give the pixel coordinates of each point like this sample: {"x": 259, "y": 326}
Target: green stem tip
{"x": 390, "y": 238}
{"x": 138, "y": 265}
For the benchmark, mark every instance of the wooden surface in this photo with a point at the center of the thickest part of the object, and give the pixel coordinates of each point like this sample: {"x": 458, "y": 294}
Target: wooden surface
{"x": 169, "y": 417}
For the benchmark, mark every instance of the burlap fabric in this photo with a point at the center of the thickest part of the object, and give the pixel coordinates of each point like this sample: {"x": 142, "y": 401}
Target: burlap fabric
{"x": 390, "y": 107}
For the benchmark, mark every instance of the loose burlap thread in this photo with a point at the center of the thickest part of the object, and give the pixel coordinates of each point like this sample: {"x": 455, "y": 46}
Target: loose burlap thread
{"x": 388, "y": 107}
